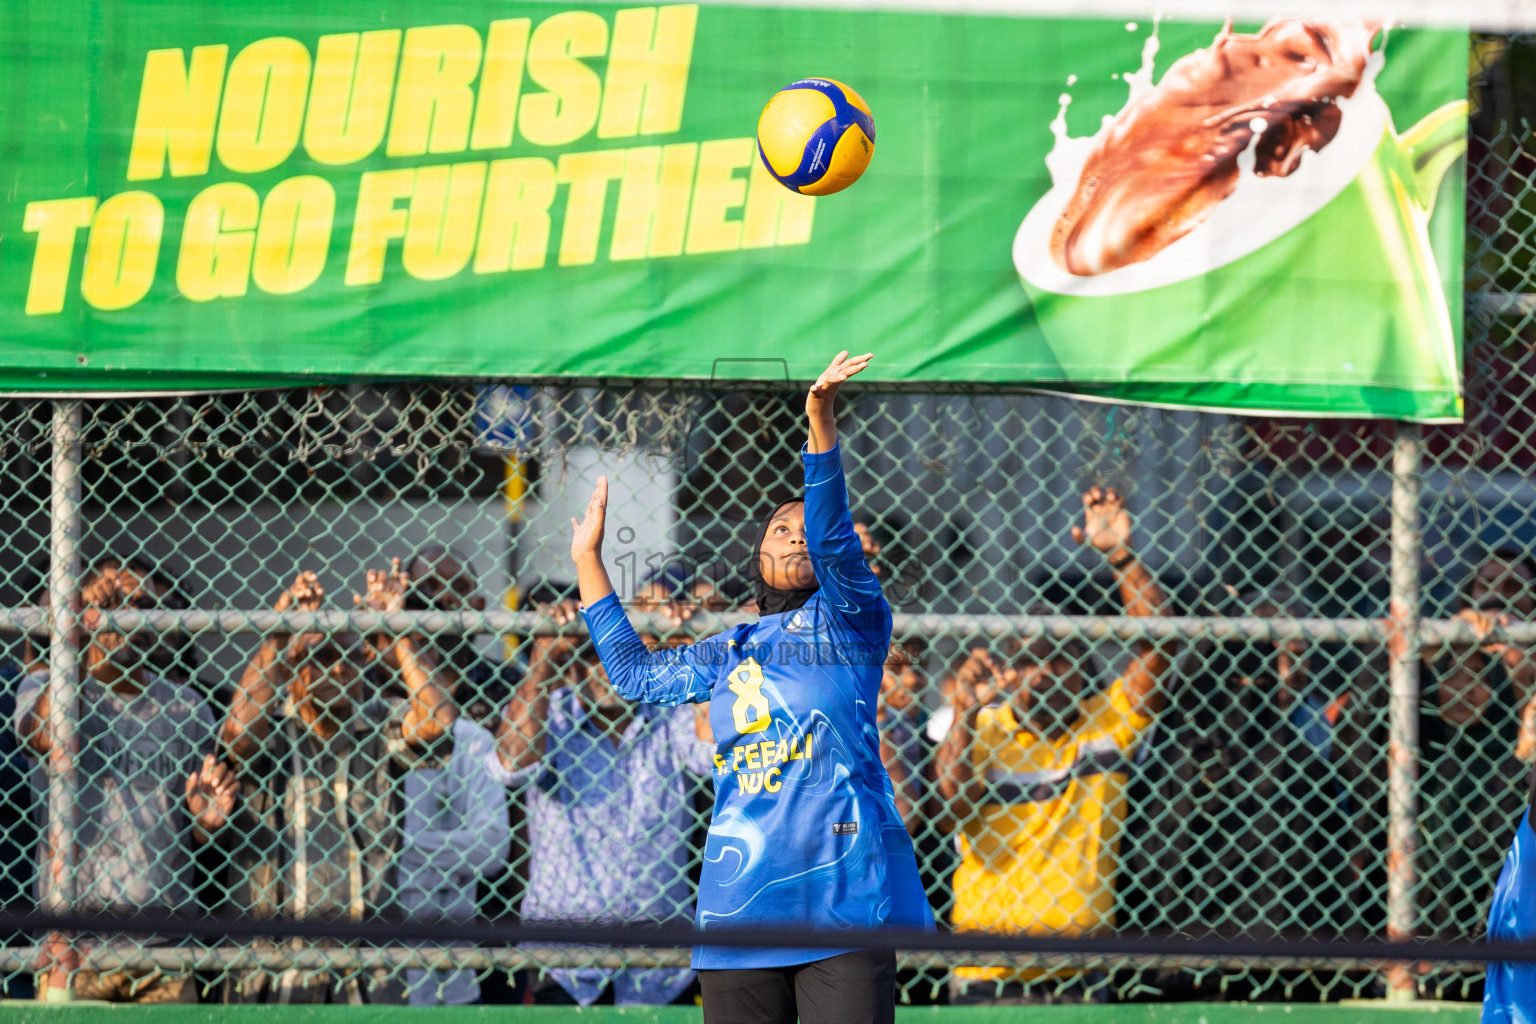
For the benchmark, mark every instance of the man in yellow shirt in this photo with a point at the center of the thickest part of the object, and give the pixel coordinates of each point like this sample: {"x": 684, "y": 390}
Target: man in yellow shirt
{"x": 1033, "y": 775}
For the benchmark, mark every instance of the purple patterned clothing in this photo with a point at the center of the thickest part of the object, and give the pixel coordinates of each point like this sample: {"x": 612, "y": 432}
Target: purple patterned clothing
{"x": 609, "y": 825}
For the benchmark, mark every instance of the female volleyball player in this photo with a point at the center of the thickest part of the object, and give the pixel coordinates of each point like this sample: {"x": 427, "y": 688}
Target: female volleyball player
{"x": 805, "y": 832}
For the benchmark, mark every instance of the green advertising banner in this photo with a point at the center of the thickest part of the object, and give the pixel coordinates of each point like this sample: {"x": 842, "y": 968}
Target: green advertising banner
{"x": 199, "y": 195}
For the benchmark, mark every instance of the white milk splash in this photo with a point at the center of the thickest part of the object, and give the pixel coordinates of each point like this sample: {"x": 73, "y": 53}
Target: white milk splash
{"x": 1259, "y": 210}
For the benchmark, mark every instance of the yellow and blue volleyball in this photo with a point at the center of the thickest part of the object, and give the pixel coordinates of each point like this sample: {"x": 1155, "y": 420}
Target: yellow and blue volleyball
{"x": 816, "y": 136}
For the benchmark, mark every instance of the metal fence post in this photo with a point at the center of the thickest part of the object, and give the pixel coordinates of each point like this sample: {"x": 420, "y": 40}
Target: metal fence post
{"x": 63, "y": 667}
{"x": 1403, "y": 745}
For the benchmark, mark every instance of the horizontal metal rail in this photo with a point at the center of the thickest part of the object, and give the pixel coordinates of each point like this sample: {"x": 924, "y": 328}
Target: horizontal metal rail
{"x": 318, "y": 944}
{"x": 337, "y": 958}
{"x": 1094, "y": 627}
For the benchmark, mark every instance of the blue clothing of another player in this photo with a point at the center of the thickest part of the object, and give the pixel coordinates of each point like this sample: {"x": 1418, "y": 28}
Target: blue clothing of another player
{"x": 805, "y": 831}
{"x": 1509, "y": 995}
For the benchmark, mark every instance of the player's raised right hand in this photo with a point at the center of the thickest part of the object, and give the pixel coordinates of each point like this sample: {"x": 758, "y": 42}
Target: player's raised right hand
{"x": 842, "y": 367}
{"x": 587, "y": 532}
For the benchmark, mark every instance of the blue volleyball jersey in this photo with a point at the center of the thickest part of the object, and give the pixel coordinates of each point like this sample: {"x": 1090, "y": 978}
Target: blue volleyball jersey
{"x": 1509, "y": 995}
{"x": 805, "y": 830}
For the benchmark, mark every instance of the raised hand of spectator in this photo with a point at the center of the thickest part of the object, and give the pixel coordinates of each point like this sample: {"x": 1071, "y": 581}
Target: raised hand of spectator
{"x": 111, "y": 655}
{"x": 249, "y": 721}
{"x": 556, "y": 649}
{"x": 1106, "y": 523}
{"x": 1107, "y": 528}
{"x": 1517, "y": 661}
{"x": 112, "y": 588}
{"x": 520, "y": 736}
{"x": 969, "y": 674}
{"x": 678, "y": 610}
{"x": 1483, "y": 626}
{"x": 106, "y": 591}
{"x": 564, "y": 612}
{"x": 304, "y": 594}
{"x": 979, "y": 681}
{"x": 432, "y": 712}
{"x": 211, "y": 795}
{"x": 384, "y": 592}
{"x": 892, "y": 693}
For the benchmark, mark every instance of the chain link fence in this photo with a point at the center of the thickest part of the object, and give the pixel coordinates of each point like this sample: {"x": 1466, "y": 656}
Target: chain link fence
{"x": 247, "y": 725}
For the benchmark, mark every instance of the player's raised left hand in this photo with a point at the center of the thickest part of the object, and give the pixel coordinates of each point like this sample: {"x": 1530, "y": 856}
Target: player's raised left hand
{"x": 587, "y": 532}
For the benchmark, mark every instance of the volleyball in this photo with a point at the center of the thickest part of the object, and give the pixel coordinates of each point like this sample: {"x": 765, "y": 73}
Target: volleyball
{"x": 816, "y": 136}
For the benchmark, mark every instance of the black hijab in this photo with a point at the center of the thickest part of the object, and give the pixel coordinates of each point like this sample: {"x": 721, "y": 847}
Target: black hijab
{"x": 772, "y": 600}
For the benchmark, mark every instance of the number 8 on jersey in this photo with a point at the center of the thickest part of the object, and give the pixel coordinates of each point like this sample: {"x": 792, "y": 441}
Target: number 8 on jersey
{"x": 751, "y": 708}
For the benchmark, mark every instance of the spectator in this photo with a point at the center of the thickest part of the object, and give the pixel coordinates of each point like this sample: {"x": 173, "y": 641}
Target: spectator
{"x": 1034, "y": 772}
{"x": 441, "y": 579}
{"x": 1475, "y": 725}
{"x": 872, "y": 550}
{"x": 673, "y": 588}
{"x": 973, "y": 674}
{"x": 610, "y": 809}
{"x": 501, "y": 896}
{"x": 902, "y": 742}
{"x": 903, "y": 747}
{"x": 1281, "y": 832}
{"x": 172, "y": 655}
{"x": 18, "y": 812}
{"x": 317, "y": 754}
{"x": 938, "y": 847}
{"x": 456, "y": 822}
{"x": 455, "y": 832}
{"x": 670, "y": 590}
{"x": 1238, "y": 816}
{"x": 147, "y": 783}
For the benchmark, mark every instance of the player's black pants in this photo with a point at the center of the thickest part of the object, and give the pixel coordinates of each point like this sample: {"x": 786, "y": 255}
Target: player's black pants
{"x": 852, "y": 988}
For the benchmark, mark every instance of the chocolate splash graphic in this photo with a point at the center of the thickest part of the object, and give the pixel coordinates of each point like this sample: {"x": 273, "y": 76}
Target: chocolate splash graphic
{"x": 1171, "y": 155}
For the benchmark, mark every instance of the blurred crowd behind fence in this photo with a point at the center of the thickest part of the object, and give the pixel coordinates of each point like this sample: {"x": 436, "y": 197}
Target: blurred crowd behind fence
{"x": 1337, "y": 592}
